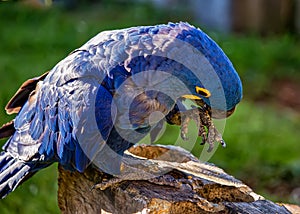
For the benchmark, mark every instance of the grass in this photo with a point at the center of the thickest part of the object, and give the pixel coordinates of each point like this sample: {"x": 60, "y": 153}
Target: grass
{"x": 259, "y": 61}
{"x": 262, "y": 148}
{"x": 37, "y": 195}
{"x": 262, "y": 139}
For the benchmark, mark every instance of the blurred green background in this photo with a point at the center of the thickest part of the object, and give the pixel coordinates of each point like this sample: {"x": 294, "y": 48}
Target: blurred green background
{"x": 262, "y": 136}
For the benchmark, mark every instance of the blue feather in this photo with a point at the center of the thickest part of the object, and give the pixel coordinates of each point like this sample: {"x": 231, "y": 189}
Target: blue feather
{"x": 77, "y": 114}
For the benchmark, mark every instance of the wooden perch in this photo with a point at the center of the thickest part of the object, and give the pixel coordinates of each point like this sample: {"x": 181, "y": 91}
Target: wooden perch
{"x": 159, "y": 179}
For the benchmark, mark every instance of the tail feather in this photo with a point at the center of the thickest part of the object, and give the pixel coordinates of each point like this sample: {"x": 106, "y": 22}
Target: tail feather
{"x": 5, "y": 161}
{"x": 13, "y": 172}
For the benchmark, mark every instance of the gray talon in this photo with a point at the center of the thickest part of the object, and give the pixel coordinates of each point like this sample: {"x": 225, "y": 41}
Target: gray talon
{"x": 183, "y": 136}
{"x": 211, "y": 147}
{"x": 207, "y": 130}
{"x": 222, "y": 142}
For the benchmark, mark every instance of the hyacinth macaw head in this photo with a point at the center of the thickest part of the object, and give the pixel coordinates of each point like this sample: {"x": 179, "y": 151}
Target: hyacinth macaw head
{"x": 187, "y": 63}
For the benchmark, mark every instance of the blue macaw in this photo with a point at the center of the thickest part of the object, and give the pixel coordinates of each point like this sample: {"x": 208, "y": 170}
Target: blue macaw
{"x": 101, "y": 99}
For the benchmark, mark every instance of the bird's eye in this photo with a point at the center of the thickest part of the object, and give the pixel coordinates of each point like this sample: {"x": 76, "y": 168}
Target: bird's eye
{"x": 202, "y": 91}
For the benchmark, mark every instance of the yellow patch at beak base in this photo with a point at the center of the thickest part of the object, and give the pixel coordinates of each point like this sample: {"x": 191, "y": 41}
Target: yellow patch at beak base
{"x": 191, "y": 97}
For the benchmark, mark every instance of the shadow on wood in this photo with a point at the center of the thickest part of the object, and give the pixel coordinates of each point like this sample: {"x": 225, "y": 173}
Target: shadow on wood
{"x": 159, "y": 179}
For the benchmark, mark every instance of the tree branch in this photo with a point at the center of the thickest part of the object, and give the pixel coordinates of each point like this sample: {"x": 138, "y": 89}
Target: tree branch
{"x": 169, "y": 180}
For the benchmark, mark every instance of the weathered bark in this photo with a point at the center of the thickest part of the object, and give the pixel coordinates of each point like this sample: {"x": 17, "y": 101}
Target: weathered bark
{"x": 170, "y": 180}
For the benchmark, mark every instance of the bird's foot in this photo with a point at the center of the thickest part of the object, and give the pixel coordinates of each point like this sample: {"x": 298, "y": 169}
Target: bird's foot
{"x": 207, "y": 130}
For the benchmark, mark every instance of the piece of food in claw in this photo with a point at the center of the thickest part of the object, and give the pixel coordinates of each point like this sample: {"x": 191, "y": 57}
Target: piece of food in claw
{"x": 207, "y": 130}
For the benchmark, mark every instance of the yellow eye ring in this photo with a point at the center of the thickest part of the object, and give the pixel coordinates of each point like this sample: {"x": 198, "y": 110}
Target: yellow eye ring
{"x": 202, "y": 91}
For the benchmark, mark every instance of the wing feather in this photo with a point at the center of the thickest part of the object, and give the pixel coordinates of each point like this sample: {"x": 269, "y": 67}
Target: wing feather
{"x": 20, "y": 98}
